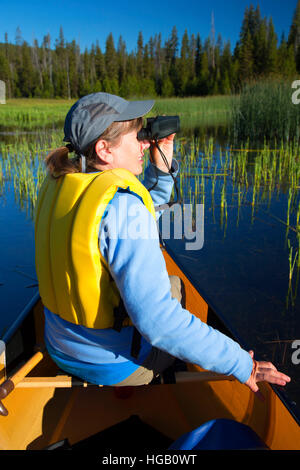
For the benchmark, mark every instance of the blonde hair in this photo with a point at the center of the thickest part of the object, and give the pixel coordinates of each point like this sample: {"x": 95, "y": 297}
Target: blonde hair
{"x": 58, "y": 161}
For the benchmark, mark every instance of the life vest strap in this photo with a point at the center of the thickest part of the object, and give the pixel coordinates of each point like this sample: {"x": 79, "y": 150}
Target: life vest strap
{"x": 136, "y": 343}
{"x": 120, "y": 315}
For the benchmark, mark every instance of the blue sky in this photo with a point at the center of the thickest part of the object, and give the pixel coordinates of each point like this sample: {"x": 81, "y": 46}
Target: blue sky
{"x": 87, "y": 21}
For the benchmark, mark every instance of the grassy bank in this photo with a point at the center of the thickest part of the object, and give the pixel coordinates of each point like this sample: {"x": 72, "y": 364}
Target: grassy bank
{"x": 26, "y": 114}
{"x": 33, "y": 113}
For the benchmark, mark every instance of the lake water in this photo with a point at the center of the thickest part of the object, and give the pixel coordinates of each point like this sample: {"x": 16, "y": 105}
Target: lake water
{"x": 242, "y": 270}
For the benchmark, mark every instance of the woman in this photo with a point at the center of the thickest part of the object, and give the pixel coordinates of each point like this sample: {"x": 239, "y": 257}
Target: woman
{"x": 102, "y": 275}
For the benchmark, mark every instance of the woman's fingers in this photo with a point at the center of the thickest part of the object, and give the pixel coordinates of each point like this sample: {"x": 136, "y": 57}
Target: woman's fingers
{"x": 166, "y": 145}
{"x": 271, "y": 375}
{"x": 265, "y": 365}
{"x": 265, "y": 372}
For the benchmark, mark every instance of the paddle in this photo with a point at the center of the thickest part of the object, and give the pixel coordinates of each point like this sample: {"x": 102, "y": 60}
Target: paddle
{"x": 8, "y": 385}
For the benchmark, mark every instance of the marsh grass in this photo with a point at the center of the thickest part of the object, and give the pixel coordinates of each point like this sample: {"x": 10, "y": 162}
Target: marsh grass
{"x": 229, "y": 176}
{"x": 264, "y": 110}
{"x": 210, "y": 111}
{"x": 22, "y": 164}
{"x": 227, "y": 180}
{"x": 291, "y": 295}
{"x": 28, "y": 114}
{"x": 241, "y": 177}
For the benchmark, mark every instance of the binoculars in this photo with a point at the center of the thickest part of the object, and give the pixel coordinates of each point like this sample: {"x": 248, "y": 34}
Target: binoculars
{"x": 159, "y": 127}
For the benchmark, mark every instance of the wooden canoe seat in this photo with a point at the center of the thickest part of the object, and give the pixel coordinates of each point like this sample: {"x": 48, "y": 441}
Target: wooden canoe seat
{"x": 21, "y": 379}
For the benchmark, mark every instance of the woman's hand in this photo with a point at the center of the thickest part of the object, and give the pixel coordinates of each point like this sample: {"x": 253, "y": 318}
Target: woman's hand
{"x": 265, "y": 372}
{"x": 166, "y": 146}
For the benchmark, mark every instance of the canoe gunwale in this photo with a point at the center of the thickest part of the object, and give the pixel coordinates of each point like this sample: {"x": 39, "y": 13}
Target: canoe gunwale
{"x": 23, "y": 314}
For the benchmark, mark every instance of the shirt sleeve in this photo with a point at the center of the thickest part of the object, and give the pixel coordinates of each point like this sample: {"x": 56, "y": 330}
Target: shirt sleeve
{"x": 137, "y": 266}
{"x": 161, "y": 183}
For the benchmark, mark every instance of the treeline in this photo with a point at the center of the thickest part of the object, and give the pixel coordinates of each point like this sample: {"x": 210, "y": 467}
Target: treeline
{"x": 189, "y": 66}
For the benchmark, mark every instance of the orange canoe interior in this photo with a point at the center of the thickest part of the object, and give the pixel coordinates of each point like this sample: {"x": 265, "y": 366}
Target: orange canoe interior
{"x": 39, "y": 417}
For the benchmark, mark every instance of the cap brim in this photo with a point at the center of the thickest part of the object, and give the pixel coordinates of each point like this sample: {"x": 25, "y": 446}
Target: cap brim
{"x": 135, "y": 109}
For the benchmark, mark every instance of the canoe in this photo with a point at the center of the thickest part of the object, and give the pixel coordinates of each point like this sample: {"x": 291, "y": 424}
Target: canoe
{"x": 42, "y": 408}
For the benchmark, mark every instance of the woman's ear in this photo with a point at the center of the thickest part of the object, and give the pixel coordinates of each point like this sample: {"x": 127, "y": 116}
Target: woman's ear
{"x": 103, "y": 151}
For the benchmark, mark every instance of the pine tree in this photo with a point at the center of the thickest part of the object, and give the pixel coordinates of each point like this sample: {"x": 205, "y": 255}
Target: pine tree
{"x": 226, "y": 70}
{"x": 38, "y": 67}
{"x": 60, "y": 75}
{"x": 286, "y": 60}
{"x": 48, "y": 91}
{"x": 198, "y": 56}
{"x": 73, "y": 67}
{"x": 250, "y": 24}
{"x": 171, "y": 49}
{"x": 246, "y": 62}
{"x": 158, "y": 59}
{"x": 27, "y": 77}
{"x": 140, "y": 55}
{"x": 111, "y": 59}
{"x": 294, "y": 35}
{"x": 250, "y": 49}
{"x": 5, "y": 74}
{"x": 271, "y": 60}
{"x": 147, "y": 63}
{"x": 99, "y": 63}
{"x": 183, "y": 66}
{"x": 216, "y": 71}
{"x": 260, "y": 49}
{"x": 121, "y": 54}
{"x": 204, "y": 79}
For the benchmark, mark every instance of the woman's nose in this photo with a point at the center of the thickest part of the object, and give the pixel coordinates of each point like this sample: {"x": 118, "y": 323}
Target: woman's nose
{"x": 145, "y": 144}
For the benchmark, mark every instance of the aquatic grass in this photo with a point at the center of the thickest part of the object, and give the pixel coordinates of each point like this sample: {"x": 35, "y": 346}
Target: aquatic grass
{"x": 1, "y": 178}
{"x": 208, "y": 174}
{"x": 289, "y": 207}
{"x": 292, "y": 263}
{"x": 231, "y": 182}
{"x": 247, "y": 176}
{"x": 23, "y": 163}
{"x": 264, "y": 110}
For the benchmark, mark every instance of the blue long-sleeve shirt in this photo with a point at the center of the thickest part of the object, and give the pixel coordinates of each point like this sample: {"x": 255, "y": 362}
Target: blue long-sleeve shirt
{"x": 129, "y": 242}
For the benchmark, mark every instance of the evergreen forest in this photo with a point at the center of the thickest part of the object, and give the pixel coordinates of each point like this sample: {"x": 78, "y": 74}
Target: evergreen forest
{"x": 186, "y": 66}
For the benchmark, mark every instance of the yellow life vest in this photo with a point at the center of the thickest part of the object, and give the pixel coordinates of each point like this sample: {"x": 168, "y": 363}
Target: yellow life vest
{"x": 74, "y": 279}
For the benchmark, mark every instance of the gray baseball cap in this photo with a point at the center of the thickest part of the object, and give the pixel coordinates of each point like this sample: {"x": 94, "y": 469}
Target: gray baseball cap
{"x": 91, "y": 115}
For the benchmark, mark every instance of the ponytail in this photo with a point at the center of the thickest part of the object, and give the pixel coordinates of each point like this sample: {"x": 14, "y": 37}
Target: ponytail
{"x": 59, "y": 164}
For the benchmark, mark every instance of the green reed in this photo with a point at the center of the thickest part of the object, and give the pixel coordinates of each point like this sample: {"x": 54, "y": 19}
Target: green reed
{"x": 208, "y": 173}
{"x": 22, "y": 162}
{"x": 244, "y": 175}
{"x": 264, "y": 110}
{"x": 292, "y": 263}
